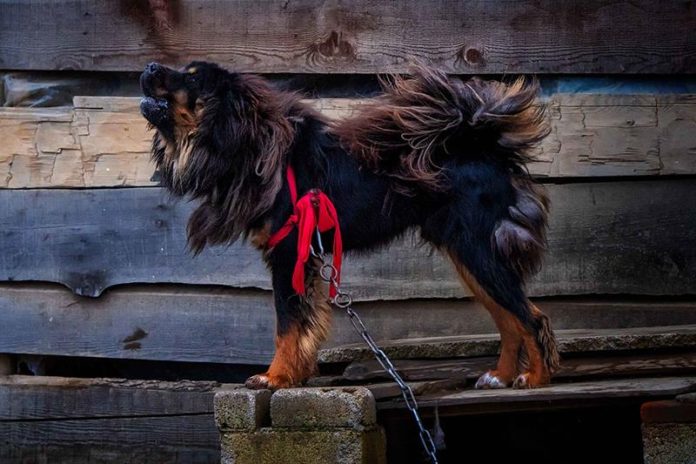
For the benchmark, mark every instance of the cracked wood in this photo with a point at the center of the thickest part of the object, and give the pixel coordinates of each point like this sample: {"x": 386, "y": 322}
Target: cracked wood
{"x": 103, "y": 141}
{"x": 604, "y": 238}
{"x": 214, "y": 325}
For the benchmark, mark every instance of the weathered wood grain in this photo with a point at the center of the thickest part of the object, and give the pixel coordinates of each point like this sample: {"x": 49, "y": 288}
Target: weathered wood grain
{"x": 618, "y": 135}
{"x": 480, "y": 401}
{"x": 357, "y": 37}
{"x": 236, "y": 326}
{"x": 57, "y": 398}
{"x": 569, "y": 341}
{"x": 471, "y": 368}
{"x": 67, "y": 448}
{"x": 389, "y": 390}
{"x": 623, "y": 237}
{"x": 106, "y": 420}
{"x": 103, "y": 141}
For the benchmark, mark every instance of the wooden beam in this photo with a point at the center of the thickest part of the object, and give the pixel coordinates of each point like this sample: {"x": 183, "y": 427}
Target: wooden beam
{"x": 362, "y": 36}
{"x": 471, "y": 368}
{"x": 59, "y": 398}
{"x": 617, "y": 237}
{"x": 103, "y": 141}
{"x": 472, "y": 401}
{"x": 570, "y": 341}
{"x": 68, "y": 420}
{"x": 215, "y": 325}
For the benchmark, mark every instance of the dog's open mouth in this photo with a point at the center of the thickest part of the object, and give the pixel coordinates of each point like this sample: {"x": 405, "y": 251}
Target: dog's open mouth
{"x": 157, "y": 83}
{"x": 155, "y": 110}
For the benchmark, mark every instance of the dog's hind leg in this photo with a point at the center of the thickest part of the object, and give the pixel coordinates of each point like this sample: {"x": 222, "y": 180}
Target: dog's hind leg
{"x": 302, "y": 324}
{"x": 541, "y": 350}
{"x": 509, "y": 327}
{"x": 523, "y": 330}
{"x": 493, "y": 254}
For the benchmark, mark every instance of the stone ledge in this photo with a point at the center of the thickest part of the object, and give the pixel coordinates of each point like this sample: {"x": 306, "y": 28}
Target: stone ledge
{"x": 241, "y": 409}
{"x": 333, "y": 446}
{"x": 669, "y": 430}
{"x": 669, "y": 443}
{"x": 299, "y": 426}
{"x": 307, "y": 408}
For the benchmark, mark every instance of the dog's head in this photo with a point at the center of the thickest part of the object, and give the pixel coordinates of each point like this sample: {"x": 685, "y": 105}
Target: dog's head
{"x": 185, "y": 106}
{"x": 220, "y": 136}
{"x": 175, "y": 99}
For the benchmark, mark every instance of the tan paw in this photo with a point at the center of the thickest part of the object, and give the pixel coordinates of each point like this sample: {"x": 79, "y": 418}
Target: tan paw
{"x": 257, "y": 382}
{"x": 489, "y": 381}
{"x": 267, "y": 382}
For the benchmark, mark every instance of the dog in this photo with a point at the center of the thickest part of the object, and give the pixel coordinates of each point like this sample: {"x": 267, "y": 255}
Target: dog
{"x": 440, "y": 155}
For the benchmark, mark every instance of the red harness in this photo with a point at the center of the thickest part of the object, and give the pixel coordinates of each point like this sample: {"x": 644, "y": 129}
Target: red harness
{"x": 314, "y": 210}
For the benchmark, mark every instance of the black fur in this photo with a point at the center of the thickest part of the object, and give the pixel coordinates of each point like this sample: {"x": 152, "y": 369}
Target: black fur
{"x": 460, "y": 181}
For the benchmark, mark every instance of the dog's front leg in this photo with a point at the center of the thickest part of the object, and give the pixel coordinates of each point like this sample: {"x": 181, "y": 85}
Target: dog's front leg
{"x": 302, "y": 325}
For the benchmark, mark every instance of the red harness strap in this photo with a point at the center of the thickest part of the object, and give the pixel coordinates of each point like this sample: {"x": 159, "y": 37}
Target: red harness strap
{"x": 314, "y": 210}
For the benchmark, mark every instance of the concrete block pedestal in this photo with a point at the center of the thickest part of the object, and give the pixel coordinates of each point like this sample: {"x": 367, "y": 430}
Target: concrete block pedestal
{"x": 301, "y": 425}
{"x": 669, "y": 430}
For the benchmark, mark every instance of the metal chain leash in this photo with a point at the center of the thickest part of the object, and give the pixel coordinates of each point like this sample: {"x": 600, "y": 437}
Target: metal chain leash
{"x": 343, "y": 300}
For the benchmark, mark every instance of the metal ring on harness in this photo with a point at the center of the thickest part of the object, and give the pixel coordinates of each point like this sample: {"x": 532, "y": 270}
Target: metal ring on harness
{"x": 343, "y": 300}
{"x": 328, "y": 272}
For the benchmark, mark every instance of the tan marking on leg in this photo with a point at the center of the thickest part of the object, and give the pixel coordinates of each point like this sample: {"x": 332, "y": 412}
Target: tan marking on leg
{"x": 319, "y": 323}
{"x": 542, "y": 354}
{"x": 295, "y": 359}
{"x": 510, "y": 328}
{"x": 537, "y": 375}
{"x": 290, "y": 364}
{"x": 547, "y": 339}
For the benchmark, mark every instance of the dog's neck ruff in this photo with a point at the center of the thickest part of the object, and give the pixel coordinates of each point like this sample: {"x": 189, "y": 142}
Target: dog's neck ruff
{"x": 313, "y": 211}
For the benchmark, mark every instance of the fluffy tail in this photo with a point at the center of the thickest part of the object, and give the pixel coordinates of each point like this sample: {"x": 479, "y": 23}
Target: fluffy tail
{"x": 423, "y": 119}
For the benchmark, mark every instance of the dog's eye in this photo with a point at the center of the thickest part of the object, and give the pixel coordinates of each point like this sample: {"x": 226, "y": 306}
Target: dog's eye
{"x": 192, "y": 70}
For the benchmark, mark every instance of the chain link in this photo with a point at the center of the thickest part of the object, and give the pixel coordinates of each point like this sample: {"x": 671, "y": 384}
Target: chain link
{"x": 343, "y": 300}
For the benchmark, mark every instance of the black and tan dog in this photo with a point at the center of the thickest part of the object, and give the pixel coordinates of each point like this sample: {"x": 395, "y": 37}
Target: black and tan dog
{"x": 437, "y": 154}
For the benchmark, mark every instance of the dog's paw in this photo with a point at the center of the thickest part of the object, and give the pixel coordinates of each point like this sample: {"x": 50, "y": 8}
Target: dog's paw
{"x": 489, "y": 381}
{"x": 521, "y": 382}
{"x": 527, "y": 380}
{"x": 267, "y": 382}
{"x": 257, "y": 382}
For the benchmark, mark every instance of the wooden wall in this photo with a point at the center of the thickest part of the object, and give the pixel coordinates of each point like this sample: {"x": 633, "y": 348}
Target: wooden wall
{"x": 358, "y": 36}
{"x": 92, "y": 253}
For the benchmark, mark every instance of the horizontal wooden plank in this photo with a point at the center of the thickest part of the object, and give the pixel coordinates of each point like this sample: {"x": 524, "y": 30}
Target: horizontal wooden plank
{"x": 106, "y": 420}
{"x": 103, "y": 141}
{"x": 174, "y": 325}
{"x": 472, "y": 368}
{"x": 479, "y": 401}
{"x": 66, "y": 451}
{"x": 624, "y": 237}
{"x": 236, "y": 326}
{"x": 569, "y": 341}
{"x": 57, "y": 398}
{"x": 361, "y": 36}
